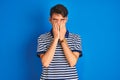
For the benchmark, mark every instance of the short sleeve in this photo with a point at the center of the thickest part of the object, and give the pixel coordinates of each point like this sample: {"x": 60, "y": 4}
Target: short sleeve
{"x": 77, "y": 44}
{"x": 41, "y": 45}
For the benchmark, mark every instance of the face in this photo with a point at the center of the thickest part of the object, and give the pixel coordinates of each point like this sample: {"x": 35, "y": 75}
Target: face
{"x": 58, "y": 18}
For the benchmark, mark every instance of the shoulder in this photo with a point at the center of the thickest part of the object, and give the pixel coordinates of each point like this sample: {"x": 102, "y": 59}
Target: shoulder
{"x": 74, "y": 35}
{"x": 44, "y": 36}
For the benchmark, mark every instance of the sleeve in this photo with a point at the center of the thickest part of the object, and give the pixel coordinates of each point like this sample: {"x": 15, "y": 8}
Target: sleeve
{"x": 77, "y": 45}
{"x": 41, "y": 46}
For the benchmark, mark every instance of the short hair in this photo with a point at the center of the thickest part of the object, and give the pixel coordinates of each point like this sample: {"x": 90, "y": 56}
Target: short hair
{"x": 59, "y": 9}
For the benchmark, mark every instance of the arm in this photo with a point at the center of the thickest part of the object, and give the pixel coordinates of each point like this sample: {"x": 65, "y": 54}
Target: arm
{"x": 48, "y": 56}
{"x": 72, "y": 57}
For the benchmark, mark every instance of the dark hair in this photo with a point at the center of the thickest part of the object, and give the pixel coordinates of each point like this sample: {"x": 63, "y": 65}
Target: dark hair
{"x": 59, "y": 9}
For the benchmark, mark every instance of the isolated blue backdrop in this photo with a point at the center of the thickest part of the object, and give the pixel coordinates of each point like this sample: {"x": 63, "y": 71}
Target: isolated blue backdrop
{"x": 97, "y": 21}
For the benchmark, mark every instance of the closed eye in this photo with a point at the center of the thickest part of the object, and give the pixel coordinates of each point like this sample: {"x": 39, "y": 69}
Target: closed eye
{"x": 62, "y": 19}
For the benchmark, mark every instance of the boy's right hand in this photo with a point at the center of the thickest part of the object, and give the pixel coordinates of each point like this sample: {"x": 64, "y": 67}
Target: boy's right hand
{"x": 56, "y": 31}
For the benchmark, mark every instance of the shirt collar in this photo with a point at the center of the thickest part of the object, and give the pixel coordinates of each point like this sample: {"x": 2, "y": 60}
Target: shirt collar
{"x": 66, "y": 35}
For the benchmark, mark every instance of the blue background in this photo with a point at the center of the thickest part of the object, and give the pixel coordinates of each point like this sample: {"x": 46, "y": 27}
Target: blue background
{"x": 97, "y": 21}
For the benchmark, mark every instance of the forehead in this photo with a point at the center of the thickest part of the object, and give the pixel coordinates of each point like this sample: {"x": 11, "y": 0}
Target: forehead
{"x": 57, "y": 16}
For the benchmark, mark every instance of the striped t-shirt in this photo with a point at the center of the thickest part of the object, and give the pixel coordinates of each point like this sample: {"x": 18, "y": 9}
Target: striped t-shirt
{"x": 59, "y": 68}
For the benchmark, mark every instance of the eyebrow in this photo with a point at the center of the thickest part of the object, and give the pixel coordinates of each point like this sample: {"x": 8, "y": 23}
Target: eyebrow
{"x": 57, "y": 19}
{"x": 54, "y": 19}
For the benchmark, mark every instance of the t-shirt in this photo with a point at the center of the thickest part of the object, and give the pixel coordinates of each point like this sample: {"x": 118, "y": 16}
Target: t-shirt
{"x": 59, "y": 67}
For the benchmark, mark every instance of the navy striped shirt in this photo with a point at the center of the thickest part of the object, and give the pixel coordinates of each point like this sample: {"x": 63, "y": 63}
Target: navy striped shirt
{"x": 59, "y": 68}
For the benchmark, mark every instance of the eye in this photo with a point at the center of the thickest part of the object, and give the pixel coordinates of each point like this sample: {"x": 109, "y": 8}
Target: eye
{"x": 54, "y": 19}
{"x": 62, "y": 19}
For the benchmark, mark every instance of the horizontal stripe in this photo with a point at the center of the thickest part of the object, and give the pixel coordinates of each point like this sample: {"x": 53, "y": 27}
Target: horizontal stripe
{"x": 59, "y": 69}
{"x": 58, "y": 66}
{"x": 64, "y": 78}
{"x": 67, "y": 76}
{"x": 60, "y": 73}
{"x": 59, "y": 61}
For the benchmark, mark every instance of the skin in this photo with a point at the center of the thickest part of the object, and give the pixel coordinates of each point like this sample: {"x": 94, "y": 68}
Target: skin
{"x": 59, "y": 30}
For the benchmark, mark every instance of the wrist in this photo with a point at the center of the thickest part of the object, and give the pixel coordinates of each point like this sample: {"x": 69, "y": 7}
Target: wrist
{"x": 63, "y": 40}
{"x": 55, "y": 40}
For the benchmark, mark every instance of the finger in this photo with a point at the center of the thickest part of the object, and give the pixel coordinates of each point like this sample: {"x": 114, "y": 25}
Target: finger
{"x": 61, "y": 25}
{"x": 56, "y": 28}
{"x": 54, "y": 25}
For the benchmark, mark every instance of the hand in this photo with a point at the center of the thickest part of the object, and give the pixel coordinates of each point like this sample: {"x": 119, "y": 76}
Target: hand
{"x": 56, "y": 30}
{"x": 62, "y": 30}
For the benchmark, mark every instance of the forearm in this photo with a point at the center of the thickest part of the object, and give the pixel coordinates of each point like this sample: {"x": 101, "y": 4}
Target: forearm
{"x": 48, "y": 56}
{"x": 71, "y": 57}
